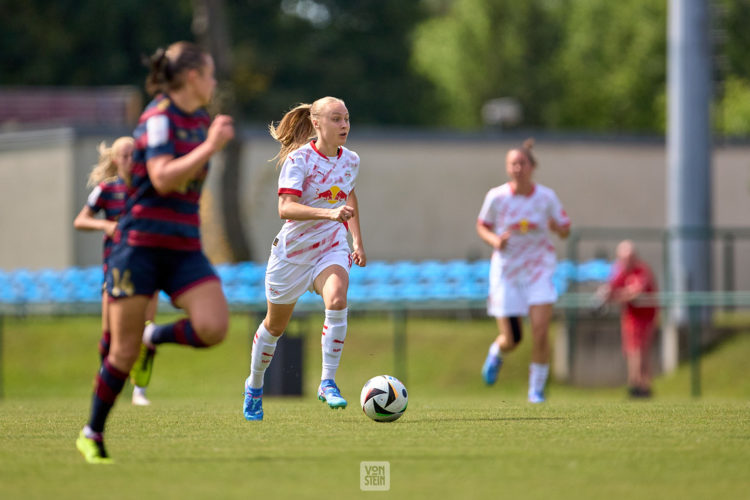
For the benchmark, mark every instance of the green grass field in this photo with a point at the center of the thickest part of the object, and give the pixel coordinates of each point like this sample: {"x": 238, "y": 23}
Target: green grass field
{"x": 458, "y": 439}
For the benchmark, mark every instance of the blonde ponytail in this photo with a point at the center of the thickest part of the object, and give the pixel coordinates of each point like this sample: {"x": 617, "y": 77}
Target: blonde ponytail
{"x": 292, "y": 132}
{"x": 526, "y": 148}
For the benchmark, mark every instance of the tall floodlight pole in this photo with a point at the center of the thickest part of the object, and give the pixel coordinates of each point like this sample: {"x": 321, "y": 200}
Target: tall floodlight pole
{"x": 688, "y": 157}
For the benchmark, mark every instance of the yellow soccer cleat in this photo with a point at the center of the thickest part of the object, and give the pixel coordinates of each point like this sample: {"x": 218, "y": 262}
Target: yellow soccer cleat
{"x": 92, "y": 450}
{"x": 140, "y": 375}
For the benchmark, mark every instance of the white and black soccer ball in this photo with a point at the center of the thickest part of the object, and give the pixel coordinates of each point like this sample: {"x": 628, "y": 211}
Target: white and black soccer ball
{"x": 384, "y": 398}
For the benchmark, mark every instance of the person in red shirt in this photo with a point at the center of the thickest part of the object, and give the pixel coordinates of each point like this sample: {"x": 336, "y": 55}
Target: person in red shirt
{"x": 631, "y": 278}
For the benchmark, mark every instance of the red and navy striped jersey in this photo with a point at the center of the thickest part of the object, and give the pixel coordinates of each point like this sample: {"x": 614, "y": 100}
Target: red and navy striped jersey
{"x": 165, "y": 221}
{"x": 109, "y": 196}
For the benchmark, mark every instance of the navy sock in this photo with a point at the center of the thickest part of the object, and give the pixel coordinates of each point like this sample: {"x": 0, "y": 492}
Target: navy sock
{"x": 109, "y": 384}
{"x": 181, "y": 332}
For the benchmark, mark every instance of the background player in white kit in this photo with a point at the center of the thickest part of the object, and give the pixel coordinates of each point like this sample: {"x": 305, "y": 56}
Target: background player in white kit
{"x": 516, "y": 220}
{"x": 311, "y": 252}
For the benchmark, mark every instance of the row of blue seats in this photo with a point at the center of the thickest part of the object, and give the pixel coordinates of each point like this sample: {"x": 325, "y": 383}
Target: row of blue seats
{"x": 430, "y": 280}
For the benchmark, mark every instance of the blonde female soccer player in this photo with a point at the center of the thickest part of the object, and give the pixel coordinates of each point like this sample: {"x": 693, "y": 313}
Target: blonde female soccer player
{"x": 110, "y": 178}
{"x": 317, "y": 201}
{"x": 516, "y": 220}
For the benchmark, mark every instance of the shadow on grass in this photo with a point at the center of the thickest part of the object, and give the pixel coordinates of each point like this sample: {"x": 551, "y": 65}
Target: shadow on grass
{"x": 477, "y": 419}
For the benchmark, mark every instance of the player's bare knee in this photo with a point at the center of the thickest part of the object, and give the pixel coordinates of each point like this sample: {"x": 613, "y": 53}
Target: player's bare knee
{"x": 212, "y": 330}
{"x": 275, "y": 330}
{"x": 507, "y": 343}
{"x": 337, "y": 303}
{"x": 123, "y": 358}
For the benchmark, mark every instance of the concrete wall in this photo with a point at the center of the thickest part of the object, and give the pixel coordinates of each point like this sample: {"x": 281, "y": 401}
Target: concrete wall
{"x": 420, "y": 197}
{"x": 37, "y": 187}
{"x": 419, "y": 193}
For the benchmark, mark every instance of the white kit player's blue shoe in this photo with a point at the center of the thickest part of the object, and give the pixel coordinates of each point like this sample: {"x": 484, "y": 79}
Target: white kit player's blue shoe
{"x": 253, "y": 407}
{"x": 536, "y": 397}
{"x": 329, "y": 393}
{"x": 491, "y": 368}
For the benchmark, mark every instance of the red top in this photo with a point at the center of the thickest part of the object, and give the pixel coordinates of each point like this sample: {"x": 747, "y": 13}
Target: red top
{"x": 642, "y": 280}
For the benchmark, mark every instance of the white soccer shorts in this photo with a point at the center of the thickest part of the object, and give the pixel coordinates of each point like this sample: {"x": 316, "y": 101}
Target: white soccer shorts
{"x": 286, "y": 281}
{"x": 513, "y": 298}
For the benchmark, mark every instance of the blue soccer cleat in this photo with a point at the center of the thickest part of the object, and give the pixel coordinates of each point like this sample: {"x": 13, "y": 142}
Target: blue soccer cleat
{"x": 329, "y": 393}
{"x": 253, "y": 407}
{"x": 491, "y": 368}
{"x": 536, "y": 397}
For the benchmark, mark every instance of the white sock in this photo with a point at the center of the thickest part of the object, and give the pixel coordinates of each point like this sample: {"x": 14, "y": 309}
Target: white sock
{"x": 332, "y": 341}
{"x": 537, "y": 377}
{"x": 264, "y": 345}
{"x": 148, "y": 332}
{"x": 89, "y": 433}
{"x": 141, "y": 391}
{"x": 495, "y": 350}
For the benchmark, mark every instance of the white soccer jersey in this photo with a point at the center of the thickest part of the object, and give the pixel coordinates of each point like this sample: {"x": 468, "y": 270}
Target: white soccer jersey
{"x": 322, "y": 182}
{"x": 529, "y": 254}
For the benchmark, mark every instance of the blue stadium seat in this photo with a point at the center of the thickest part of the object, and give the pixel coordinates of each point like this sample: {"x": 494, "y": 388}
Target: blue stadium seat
{"x": 251, "y": 272}
{"x": 593, "y": 270}
{"x": 480, "y": 270}
{"x": 409, "y": 291}
{"x": 357, "y": 293}
{"x": 379, "y": 281}
{"x": 357, "y": 275}
{"x": 227, "y": 273}
{"x": 310, "y": 298}
{"x": 377, "y": 272}
{"x": 381, "y": 292}
{"x": 458, "y": 271}
{"x": 404, "y": 271}
{"x": 440, "y": 291}
{"x": 431, "y": 271}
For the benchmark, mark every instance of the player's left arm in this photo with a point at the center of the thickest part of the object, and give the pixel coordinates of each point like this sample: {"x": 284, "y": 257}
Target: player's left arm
{"x": 561, "y": 231}
{"x": 358, "y": 253}
{"x": 559, "y": 222}
{"x": 86, "y": 220}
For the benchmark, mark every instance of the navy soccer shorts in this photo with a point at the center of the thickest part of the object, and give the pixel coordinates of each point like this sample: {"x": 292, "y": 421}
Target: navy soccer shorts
{"x": 145, "y": 270}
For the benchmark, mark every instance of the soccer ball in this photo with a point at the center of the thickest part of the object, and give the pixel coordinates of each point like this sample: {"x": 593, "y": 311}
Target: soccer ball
{"x": 384, "y": 398}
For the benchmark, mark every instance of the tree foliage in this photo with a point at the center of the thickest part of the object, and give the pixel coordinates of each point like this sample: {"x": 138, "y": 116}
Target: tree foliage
{"x": 485, "y": 49}
{"x": 299, "y": 50}
{"x": 283, "y": 52}
{"x": 611, "y": 67}
{"x": 85, "y": 42}
{"x": 570, "y": 64}
{"x": 732, "y": 116}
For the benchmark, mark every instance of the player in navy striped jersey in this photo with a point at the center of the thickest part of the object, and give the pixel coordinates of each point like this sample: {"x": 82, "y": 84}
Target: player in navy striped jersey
{"x": 157, "y": 241}
{"x": 109, "y": 178}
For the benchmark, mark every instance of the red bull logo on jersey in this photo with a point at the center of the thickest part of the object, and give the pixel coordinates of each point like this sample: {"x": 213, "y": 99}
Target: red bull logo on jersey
{"x": 332, "y": 195}
{"x": 524, "y": 226}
